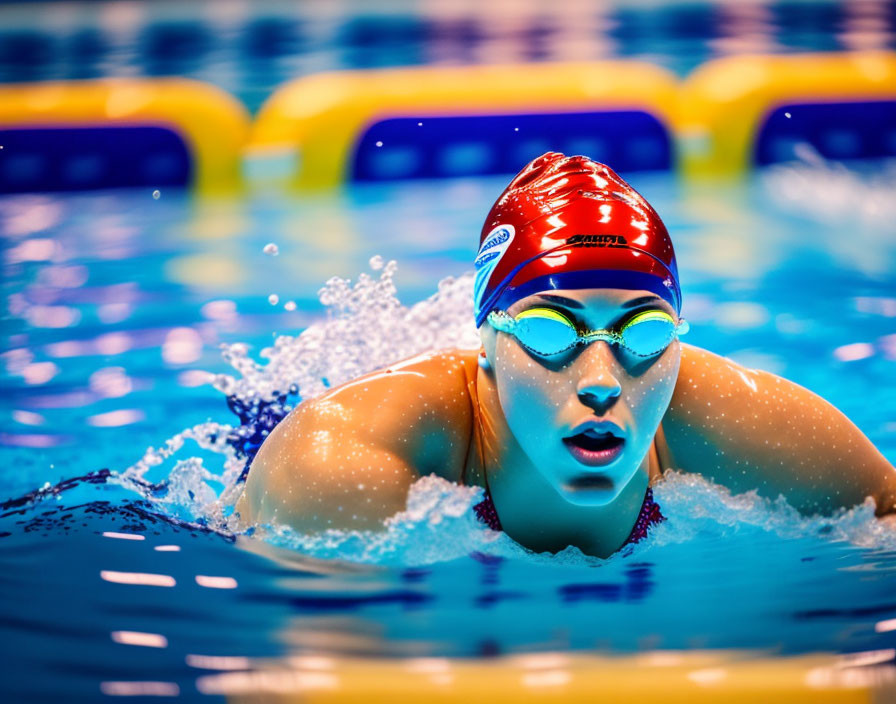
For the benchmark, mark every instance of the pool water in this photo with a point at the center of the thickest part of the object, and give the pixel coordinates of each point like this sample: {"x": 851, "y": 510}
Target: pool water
{"x": 122, "y": 565}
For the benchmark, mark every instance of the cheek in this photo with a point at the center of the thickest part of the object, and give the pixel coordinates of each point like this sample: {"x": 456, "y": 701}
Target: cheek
{"x": 525, "y": 387}
{"x": 648, "y": 394}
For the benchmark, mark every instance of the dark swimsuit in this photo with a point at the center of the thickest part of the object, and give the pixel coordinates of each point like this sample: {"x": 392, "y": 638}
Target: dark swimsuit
{"x": 649, "y": 515}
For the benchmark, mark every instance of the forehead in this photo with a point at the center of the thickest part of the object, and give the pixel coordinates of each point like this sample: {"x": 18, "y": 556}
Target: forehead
{"x": 592, "y": 299}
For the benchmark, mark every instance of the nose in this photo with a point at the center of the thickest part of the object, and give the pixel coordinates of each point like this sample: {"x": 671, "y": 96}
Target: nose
{"x": 598, "y": 386}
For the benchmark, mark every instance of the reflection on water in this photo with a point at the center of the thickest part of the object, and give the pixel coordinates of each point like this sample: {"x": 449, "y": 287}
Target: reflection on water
{"x": 138, "y": 594}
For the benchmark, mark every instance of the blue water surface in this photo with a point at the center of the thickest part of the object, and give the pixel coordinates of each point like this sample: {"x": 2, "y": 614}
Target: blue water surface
{"x": 117, "y": 302}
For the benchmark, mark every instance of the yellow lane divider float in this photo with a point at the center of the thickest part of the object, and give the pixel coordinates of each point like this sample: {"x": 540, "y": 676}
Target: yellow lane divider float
{"x": 743, "y": 111}
{"x": 691, "y": 677}
{"x": 323, "y": 130}
{"x": 436, "y": 121}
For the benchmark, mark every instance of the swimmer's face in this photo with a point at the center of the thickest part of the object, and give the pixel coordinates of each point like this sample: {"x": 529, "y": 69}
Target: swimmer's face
{"x": 585, "y": 417}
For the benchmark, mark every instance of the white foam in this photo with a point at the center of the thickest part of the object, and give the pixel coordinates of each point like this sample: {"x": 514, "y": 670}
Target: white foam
{"x": 694, "y": 505}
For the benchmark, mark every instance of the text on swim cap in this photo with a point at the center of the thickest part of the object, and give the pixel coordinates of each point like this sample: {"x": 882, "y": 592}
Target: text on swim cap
{"x": 597, "y": 241}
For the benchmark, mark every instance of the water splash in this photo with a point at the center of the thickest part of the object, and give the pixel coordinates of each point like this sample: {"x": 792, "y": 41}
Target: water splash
{"x": 365, "y": 328}
{"x": 830, "y": 191}
{"x": 695, "y": 506}
{"x": 437, "y": 525}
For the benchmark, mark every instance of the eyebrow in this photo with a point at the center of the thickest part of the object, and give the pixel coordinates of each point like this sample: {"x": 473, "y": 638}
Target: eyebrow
{"x": 561, "y": 300}
{"x": 640, "y": 301}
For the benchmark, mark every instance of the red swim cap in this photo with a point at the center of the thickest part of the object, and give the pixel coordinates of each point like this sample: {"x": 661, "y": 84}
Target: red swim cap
{"x": 569, "y": 222}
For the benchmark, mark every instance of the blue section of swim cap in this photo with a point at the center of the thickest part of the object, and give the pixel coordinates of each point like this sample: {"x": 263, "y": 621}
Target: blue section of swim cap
{"x": 602, "y": 278}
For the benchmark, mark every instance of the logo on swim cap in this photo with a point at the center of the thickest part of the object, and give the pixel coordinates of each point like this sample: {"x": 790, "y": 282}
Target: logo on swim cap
{"x": 490, "y": 252}
{"x": 597, "y": 241}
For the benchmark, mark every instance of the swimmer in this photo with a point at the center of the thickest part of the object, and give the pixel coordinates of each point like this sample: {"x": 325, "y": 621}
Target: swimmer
{"x": 580, "y": 398}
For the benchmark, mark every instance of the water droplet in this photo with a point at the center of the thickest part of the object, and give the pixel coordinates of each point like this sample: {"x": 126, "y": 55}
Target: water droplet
{"x": 376, "y": 262}
{"x": 272, "y": 249}
{"x": 379, "y": 144}
{"x": 156, "y": 194}
{"x": 273, "y": 299}
{"x": 290, "y": 305}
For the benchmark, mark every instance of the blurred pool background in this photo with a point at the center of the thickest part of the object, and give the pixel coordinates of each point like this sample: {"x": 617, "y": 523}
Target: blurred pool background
{"x": 249, "y": 49}
{"x": 116, "y": 302}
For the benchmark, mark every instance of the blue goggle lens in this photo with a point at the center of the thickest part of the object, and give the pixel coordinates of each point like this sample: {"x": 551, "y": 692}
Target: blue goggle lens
{"x": 648, "y": 333}
{"x": 546, "y": 335}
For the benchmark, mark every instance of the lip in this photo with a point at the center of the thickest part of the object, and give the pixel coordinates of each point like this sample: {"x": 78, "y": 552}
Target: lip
{"x": 595, "y": 458}
{"x": 601, "y": 426}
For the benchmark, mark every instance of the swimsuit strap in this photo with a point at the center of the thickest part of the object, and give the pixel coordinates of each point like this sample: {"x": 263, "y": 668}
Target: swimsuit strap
{"x": 485, "y": 512}
{"x": 649, "y": 515}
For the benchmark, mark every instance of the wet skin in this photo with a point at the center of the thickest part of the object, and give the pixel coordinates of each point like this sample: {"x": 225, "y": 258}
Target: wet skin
{"x": 515, "y": 421}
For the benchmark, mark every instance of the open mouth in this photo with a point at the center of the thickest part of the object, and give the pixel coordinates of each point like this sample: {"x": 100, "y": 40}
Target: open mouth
{"x": 594, "y": 448}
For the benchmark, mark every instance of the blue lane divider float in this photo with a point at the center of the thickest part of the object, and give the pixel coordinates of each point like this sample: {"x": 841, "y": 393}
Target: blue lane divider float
{"x": 837, "y": 131}
{"x": 81, "y": 158}
{"x": 440, "y": 147}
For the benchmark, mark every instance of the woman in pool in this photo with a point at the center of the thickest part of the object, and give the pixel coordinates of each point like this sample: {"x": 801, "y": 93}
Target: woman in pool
{"x": 579, "y": 399}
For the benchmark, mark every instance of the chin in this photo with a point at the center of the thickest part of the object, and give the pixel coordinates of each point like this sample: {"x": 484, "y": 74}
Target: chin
{"x": 597, "y": 490}
{"x": 592, "y": 486}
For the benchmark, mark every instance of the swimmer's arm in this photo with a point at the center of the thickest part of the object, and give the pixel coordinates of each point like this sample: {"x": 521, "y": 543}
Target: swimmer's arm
{"x": 347, "y": 459}
{"x": 749, "y": 429}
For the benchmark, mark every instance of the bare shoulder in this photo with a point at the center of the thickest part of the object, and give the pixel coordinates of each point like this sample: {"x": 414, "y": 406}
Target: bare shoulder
{"x": 750, "y": 429}
{"x": 356, "y": 449}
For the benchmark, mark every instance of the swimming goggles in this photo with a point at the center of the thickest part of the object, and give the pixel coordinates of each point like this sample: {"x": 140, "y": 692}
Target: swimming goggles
{"x": 546, "y": 332}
